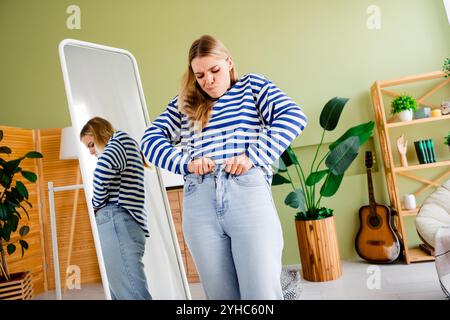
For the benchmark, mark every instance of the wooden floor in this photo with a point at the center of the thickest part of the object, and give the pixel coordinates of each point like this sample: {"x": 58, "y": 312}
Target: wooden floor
{"x": 399, "y": 281}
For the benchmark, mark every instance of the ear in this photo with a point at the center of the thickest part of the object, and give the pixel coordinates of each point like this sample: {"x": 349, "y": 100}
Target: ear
{"x": 230, "y": 63}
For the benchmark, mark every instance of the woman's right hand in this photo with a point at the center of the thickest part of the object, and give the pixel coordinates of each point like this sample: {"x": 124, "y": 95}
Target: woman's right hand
{"x": 201, "y": 166}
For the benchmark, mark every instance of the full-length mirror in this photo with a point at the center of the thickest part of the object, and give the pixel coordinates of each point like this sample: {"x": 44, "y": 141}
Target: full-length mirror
{"x": 104, "y": 82}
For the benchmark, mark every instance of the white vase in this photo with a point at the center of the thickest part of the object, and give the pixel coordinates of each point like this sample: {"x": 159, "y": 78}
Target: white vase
{"x": 406, "y": 115}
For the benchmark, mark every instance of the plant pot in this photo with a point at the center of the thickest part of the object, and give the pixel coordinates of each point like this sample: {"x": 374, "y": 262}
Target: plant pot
{"x": 406, "y": 115}
{"x": 20, "y": 287}
{"x": 319, "y": 250}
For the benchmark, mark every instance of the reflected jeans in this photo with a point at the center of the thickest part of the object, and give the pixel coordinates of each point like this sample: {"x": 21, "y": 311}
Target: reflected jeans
{"x": 233, "y": 231}
{"x": 123, "y": 244}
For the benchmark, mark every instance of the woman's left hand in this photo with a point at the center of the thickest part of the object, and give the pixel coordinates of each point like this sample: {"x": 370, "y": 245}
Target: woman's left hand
{"x": 238, "y": 164}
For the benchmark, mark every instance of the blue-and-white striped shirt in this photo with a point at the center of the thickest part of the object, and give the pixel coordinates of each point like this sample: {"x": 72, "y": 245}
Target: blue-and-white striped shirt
{"x": 235, "y": 127}
{"x": 119, "y": 178}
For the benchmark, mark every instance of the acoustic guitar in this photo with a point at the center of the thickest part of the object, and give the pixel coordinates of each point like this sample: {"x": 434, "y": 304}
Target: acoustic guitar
{"x": 376, "y": 240}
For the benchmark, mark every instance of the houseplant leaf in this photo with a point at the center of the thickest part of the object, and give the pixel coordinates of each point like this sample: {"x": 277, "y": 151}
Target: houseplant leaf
{"x": 331, "y": 112}
{"x": 341, "y": 157}
{"x": 30, "y": 176}
{"x": 33, "y": 154}
{"x": 22, "y": 189}
{"x": 279, "y": 166}
{"x": 12, "y": 165}
{"x": 331, "y": 185}
{"x": 24, "y": 230}
{"x": 279, "y": 179}
{"x": 289, "y": 158}
{"x": 5, "y": 150}
{"x": 363, "y": 132}
{"x": 296, "y": 199}
{"x": 11, "y": 248}
{"x": 315, "y": 177}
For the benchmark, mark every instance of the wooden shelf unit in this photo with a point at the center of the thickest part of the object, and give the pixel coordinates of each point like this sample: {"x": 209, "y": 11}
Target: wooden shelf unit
{"x": 378, "y": 89}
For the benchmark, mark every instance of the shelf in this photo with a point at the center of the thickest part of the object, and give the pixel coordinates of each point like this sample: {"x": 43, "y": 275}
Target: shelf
{"x": 405, "y": 212}
{"x": 418, "y": 255}
{"x": 423, "y": 166}
{"x": 417, "y": 121}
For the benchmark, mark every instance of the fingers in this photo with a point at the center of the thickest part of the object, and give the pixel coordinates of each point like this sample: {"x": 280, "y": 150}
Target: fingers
{"x": 201, "y": 166}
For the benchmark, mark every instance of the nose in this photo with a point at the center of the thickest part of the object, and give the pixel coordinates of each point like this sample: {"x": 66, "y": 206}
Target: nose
{"x": 92, "y": 150}
{"x": 209, "y": 79}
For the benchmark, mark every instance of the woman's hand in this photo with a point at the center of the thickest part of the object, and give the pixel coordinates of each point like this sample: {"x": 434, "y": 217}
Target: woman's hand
{"x": 238, "y": 164}
{"x": 201, "y": 166}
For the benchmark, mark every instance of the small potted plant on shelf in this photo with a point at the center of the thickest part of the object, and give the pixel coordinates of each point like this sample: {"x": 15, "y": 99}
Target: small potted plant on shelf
{"x": 315, "y": 225}
{"x": 446, "y": 67}
{"x": 447, "y": 140}
{"x": 404, "y": 106}
{"x": 13, "y": 197}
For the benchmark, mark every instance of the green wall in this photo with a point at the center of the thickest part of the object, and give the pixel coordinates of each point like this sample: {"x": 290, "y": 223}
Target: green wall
{"x": 313, "y": 50}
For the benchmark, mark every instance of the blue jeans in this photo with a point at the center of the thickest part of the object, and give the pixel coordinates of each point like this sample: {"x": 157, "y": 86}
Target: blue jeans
{"x": 233, "y": 231}
{"x": 123, "y": 244}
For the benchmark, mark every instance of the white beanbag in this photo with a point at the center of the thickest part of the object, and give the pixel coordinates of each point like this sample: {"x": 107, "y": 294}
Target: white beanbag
{"x": 434, "y": 213}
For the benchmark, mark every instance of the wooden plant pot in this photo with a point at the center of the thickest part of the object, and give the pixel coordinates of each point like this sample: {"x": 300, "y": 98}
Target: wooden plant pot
{"x": 20, "y": 287}
{"x": 319, "y": 250}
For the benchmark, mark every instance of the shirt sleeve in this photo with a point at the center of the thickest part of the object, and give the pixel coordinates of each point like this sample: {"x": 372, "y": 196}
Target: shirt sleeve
{"x": 107, "y": 172}
{"x": 283, "y": 121}
{"x": 159, "y": 139}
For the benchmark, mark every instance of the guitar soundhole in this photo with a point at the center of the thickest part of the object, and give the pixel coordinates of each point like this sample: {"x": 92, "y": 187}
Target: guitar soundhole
{"x": 374, "y": 221}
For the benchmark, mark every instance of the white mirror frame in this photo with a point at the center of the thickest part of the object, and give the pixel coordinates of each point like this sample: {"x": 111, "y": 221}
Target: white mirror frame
{"x": 176, "y": 285}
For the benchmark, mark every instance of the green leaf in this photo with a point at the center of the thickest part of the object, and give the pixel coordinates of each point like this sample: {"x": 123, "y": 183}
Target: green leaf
{"x": 30, "y": 176}
{"x": 3, "y": 212}
{"x": 279, "y": 166}
{"x": 24, "y": 230}
{"x": 6, "y": 231}
{"x": 34, "y": 154}
{"x": 279, "y": 179}
{"x": 11, "y": 248}
{"x": 14, "y": 221}
{"x": 296, "y": 199}
{"x": 5, "y": 180}
{"x": 22, "y": 189}
{"x": 5, "y": 150}
{"x": 331, "y": 112}
{"x": 23, "y": 243}
{"x": 363, "y": 132}
{"x": 342, "y": 156}
{"x": 315, "y": 177}
{"x": 26, "y": 212}
{"x": 331, "y": 185}
{"x": 10, "y": 166}
{"x": 289, "y": 158}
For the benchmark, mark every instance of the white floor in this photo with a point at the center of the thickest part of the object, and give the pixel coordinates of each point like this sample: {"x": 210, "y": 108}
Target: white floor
{"x": 359, "y": 281}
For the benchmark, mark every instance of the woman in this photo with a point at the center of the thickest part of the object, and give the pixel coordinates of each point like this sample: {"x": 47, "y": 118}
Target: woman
{"x": 230, "y": 130}
{"x": 118, "y": 202}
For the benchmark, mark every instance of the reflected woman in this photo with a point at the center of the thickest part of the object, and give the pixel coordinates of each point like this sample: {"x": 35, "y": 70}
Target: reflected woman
{"x": 118, "y": 202}
{"x": 231, "y": 129}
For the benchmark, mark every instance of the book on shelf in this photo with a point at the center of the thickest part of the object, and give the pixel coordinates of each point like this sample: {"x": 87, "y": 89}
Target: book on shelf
{"x": 425, "y": 151}
{"x": 433, "y": 152}
{"x": 419, "y": 151}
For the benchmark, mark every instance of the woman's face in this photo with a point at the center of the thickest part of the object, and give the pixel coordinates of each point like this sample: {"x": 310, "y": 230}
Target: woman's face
{"x": 213, "y": 74}
{"x": 88, "y": 141}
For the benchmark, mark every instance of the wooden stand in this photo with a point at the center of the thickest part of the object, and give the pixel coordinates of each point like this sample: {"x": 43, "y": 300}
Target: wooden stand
{"x": 391, "y": 169}
{"x": 20, "y": 287}
{"x": 319, "y": 250}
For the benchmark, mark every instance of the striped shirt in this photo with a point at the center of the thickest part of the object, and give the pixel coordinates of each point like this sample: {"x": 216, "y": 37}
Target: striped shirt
{"x": 254, "y": 116}
{"x": 119, "y": 178}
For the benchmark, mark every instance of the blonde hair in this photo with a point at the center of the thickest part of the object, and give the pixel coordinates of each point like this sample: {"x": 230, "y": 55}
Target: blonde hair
{"x": 192, "y": 100}
{"x": 100, "y": 129}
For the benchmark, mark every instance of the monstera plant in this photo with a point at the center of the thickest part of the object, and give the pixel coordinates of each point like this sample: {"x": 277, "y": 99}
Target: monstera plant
{"x": 321, "y": 178}
{"x": 13, "y": 197}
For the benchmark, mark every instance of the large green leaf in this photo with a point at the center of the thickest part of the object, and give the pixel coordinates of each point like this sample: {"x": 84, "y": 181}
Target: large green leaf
{"x": 331, "y": 185}
{"x": 279, "y": 166}
{"x": 34, "y": 154}
{"x": 22, "y": 189}
{"x": 315, "y": 177}
{"x": 5, "y": 150}
{"x": 6, "y": 233}
{"x": 331, "y": 112}
{"x": 30, "y": 176}
{"x": 342, "y": 156}
{"x": 10, "y": 166}
{"x": 279, "y": 179}
{"x": 363, "y": 132}
{"x": 11, "y": 248}
{"x": 289, "y": 158}
{"x": 296, "y": 199}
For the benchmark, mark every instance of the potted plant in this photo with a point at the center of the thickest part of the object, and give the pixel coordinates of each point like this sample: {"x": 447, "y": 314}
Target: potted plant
{"x": 315, "y": 225}
{"x": 446, "y": 67}
{"x": 447, "y": 140}
{"x": 13, "y": 197}
{"x": 404, "y": 106}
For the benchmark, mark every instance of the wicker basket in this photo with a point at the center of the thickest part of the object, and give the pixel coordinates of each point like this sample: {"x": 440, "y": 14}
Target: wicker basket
{"x": 20, "y": 287}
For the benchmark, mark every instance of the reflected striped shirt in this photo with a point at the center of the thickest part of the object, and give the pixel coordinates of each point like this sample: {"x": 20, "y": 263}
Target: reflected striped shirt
{"x": 119, "y": 178}
{"x": 253, "y": 117}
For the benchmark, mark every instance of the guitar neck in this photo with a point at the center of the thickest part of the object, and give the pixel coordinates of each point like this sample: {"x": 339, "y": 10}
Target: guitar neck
{"x": 370, "y": 185}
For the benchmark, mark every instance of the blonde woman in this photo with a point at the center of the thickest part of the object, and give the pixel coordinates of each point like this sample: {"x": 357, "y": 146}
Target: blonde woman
{"x": 230, "y": 129}
{"x": 118, "y": 201}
